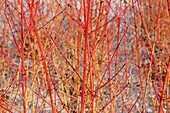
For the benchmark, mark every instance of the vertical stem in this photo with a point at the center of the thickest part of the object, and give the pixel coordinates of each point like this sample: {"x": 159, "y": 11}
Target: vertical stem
{"x": 92, "y": 60}
{"x": 126, "y": 70}
{"x": 22, "y": 57}
{"x": 85, "y": 59}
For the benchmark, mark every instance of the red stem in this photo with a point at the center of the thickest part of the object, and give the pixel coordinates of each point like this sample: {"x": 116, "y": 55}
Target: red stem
{"x": 85, "y": 57}
{"x": 22, "y": 57}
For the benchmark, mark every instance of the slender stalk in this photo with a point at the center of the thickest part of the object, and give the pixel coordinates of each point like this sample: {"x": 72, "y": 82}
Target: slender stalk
{"x": 22, "y": 57}
{"x": 86, "y": 18}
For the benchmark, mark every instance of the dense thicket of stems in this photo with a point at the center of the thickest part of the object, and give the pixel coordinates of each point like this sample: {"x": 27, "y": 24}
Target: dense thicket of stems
{"x": 84, "y": 56}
